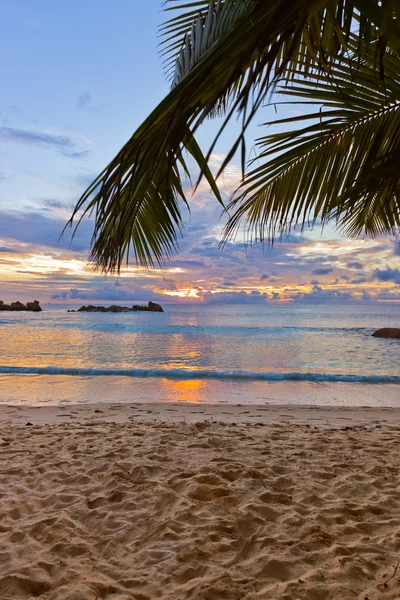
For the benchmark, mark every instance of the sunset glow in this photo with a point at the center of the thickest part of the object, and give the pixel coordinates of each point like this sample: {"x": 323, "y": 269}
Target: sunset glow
{"x": 301, "y": 269}
{"x": 53, "y": 143}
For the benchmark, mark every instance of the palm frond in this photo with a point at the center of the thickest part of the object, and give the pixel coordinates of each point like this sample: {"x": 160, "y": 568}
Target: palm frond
{"x": 177, "y": 29}
{"x": 137, "y": 208}
{"x": 326, "y": 29}
{"x": 342, "y": 166}
{"x": 142, "y": 180}
{"x": 232, "y": 61}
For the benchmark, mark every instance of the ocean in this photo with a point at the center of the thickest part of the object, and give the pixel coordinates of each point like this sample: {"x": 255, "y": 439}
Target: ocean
{"x": 242, "y": 354}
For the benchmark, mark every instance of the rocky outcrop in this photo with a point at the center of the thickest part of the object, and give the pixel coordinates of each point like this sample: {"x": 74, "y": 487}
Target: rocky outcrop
{"x": 113, "y": 308}
{"x": 151, "y": 307}
{"x": 18, "y": 306}
{"x": 387, "y": 332}
{"x": 33, "y": 306}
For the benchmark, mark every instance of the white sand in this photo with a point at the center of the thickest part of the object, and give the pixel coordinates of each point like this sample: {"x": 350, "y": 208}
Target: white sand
{"x": 202, "y": 503}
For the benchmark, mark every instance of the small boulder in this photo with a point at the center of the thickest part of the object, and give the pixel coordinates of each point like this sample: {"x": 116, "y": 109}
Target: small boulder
{"x": 114, "y": 308}
{"x": 154, "y": 307}
{"x": 91, "y": 308}
{"x": 17, "y": 306}
{"x": 139, "y": 307}
{"x": 33, "y": 306}
{"x": 387, "y": 332}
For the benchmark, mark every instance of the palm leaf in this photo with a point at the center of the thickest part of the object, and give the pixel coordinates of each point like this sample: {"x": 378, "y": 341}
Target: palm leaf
{"x": 342, "y": 166}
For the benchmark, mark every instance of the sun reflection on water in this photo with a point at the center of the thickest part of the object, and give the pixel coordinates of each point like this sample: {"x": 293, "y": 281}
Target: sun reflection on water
{"x": 191, "y": 390}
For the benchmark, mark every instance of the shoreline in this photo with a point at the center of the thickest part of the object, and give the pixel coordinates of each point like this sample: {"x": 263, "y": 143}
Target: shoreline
{"x": 333, "y": 417}
{"x": 65, "y": 390}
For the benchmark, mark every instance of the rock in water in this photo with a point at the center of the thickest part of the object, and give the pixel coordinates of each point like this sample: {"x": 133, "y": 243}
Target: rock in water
{"x": 91, "y": 308}
{"x": 33, "y": 306}
{"x": 387, "y": 332}
{"x": 154, "y": 307}
{"x": 117, "y": 309}
{"x": 17, "y": 306}
{"x": 151, "y": 307}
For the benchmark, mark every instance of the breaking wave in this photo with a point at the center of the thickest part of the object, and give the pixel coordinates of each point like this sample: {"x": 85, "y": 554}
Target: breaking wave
{"x": 234, "y": 375}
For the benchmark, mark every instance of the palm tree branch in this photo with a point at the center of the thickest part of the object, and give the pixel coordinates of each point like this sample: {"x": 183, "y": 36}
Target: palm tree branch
{"x": 136, "y": 199}
{"x": 316, "y": 171}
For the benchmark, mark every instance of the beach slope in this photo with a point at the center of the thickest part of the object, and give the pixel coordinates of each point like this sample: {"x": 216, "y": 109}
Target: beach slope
{"x": 185, "y": 502}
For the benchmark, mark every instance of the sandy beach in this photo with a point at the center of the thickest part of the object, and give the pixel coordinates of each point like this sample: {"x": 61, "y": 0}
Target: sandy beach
{"x": 177, "y": 501}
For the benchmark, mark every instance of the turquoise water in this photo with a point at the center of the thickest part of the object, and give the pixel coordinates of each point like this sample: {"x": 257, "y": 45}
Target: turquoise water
{"x": 308, "y": 354}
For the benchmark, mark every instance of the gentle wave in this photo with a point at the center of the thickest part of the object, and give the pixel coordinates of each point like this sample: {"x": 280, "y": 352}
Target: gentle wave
{"x": 235, "y": 375}
{"x": 161, "y": 328}
{"x": 126, "y": 324}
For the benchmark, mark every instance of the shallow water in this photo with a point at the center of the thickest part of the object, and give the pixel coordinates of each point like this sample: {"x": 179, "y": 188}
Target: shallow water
{"x": 257, "y": 354}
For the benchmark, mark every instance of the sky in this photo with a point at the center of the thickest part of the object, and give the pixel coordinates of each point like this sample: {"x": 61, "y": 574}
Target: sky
{"x": 77, "y": 79}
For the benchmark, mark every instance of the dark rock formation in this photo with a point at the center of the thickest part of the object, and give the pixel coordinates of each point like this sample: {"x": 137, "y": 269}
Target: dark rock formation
{"x": 387, "y": 332}
{"x": 154, "y": 307}
{"x": 151, "y": 307}
{"x": 114, "y": 309}
{"x": 33, "y": 306}
{"x": 17, "y": 306}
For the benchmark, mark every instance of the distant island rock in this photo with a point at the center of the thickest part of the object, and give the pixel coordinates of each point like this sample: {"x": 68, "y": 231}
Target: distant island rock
{"x": 17, "y": 306}
{"x": 387, "y": 332}
{"x": 151, "y": 307}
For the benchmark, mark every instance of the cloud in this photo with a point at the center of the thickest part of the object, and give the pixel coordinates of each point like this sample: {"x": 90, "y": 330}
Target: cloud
{"x": 388, "y": 275}
{"x": 322, "y": 271}
{"x": 242, "y": 297}
{"x": 36, "y": 228}
{"x": 8, "y": 250}
{"x": 388, "y": 295}
{"x": 355, "y": 265}
{"x": 169, "y": 284}
{"x": 55, "y": 203}
{"x": 62, "y": 295}
{"x": 109, "y": 293}
{"x": 358, "y": 280}
{"x": 201, "y": 267}
{"x": 85, "y": 102}
{"x": 320, "y": 296}
{"x": 63, "y": 144}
